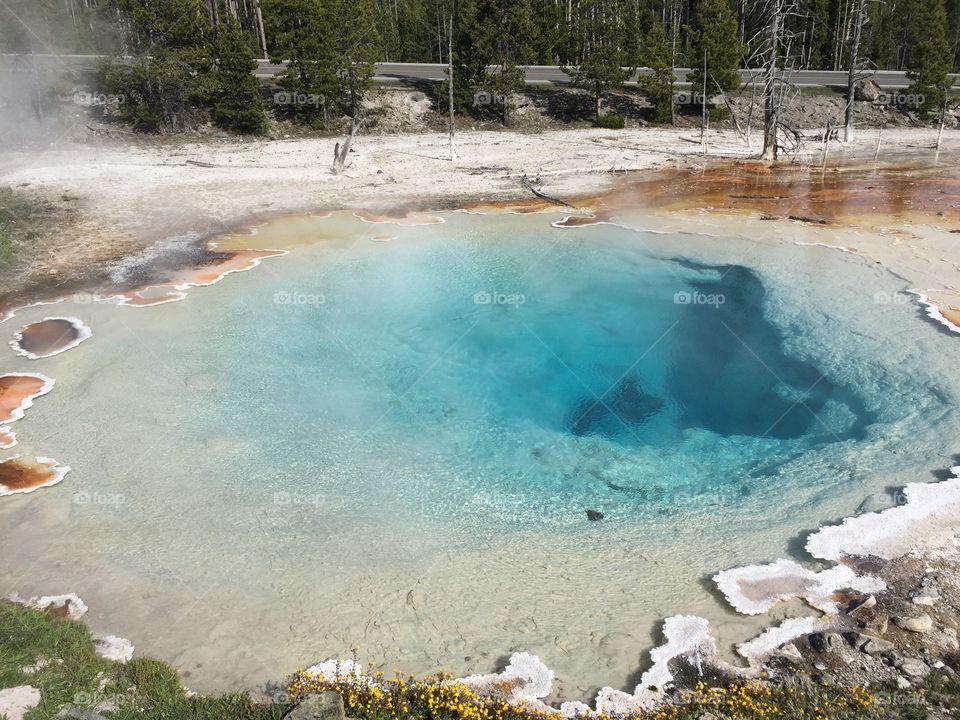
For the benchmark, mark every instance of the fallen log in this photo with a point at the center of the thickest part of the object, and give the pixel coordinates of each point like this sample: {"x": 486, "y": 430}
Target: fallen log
{"x": 543, "y": 196}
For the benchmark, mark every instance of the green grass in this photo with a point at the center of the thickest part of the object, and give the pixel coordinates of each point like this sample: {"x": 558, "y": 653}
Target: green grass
{"x": 23, "y": 218}
{"x": 147, "y": 689}
{"x": 143, "y": 689}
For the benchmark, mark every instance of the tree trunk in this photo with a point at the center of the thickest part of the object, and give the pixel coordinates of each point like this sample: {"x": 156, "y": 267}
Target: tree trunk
{"x": 703, "y": 107}
{"x": 771, "y": 100}
{"x": 340, "y": 151}
{"x": 261, "y": 33}
{"x": 943, "y": 121}
{"x": 852, "y": 72}
{"x": 450, "y": 83}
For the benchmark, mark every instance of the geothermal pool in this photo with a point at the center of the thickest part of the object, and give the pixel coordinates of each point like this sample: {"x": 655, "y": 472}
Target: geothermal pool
{"x": 387, "y": 440}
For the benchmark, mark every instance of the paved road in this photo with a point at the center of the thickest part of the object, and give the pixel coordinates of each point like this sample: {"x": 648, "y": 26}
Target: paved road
{"x": 551, "y": 75}
{"x": 399, "y": 73}
{"x": 548, "y": 75}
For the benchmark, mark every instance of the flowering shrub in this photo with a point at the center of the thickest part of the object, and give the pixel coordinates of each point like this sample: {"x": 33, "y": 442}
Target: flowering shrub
{"x": 440, "y": 697}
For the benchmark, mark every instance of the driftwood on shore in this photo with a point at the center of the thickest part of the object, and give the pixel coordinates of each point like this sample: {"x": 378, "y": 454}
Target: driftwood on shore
{"x": 108, "y": 131}
{"x": 543, "y": 196}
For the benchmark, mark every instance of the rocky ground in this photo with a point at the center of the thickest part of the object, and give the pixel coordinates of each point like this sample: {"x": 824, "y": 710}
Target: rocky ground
{"x": 898, "y": 637}
{"x": 393, "y": 110}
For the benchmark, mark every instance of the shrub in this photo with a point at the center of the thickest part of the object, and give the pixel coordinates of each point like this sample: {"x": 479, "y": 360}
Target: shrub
{"x": 153, "y": 94}
{"x": 611, "y": 121}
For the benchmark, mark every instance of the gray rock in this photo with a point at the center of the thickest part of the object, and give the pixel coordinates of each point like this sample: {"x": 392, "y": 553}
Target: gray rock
{"x": 914, "y": 669}
{"x": 874, "y": 646}
{"x": 878, "y": 501}
{"x": 826, "y": 642}
{"x": 919, "y": 624}
{"x": 927, "y": 600}
{"x": 75, "y": 713}
{"x": 861, "y": 609}
{"x": 877, "y": 623}
{"x": 903, "y": 683}
{"x": 322, "y": 706}
{"x": 866, "y": 90}
{"x": 790, "y": 652}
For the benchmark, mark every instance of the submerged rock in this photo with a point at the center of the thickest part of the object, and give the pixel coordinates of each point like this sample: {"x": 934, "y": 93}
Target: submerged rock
{"x": 626, "y": 404}
{"x": 594, "y": 515}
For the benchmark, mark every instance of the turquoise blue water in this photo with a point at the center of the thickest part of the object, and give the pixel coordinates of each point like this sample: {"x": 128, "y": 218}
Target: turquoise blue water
{"x": 506, "y": 367}
{"x": 393, "y": 444}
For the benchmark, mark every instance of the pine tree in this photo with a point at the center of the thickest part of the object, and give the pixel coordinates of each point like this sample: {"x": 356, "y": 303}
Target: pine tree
{"x": 881, "y": 43}
{"x": 469, "y": 60}
{"x": 299, "y": 32}
{"x": 170, "y": 79}
{"x": 550, "y": 31}
{"x": 356, "y": 48}
{"x": 658, "y": 56}
{"x": 170, "y": 25}
{"x": 601, "y": 38}
{"x": 507, "y": 32}
{"x": 715, "y": 42}
{"x": 929, "y": 57}
{"x": 236, "y": 101}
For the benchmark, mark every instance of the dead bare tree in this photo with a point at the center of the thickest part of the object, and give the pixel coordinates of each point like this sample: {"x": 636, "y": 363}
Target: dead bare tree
{"x": 859, "y": 20}
{"x": 771, "y": 98}
{"x": 341, "y": 150}
{"x": 773, "y": 41}
{"x": 703, "y": 107}
{"x": 453, "y": 153}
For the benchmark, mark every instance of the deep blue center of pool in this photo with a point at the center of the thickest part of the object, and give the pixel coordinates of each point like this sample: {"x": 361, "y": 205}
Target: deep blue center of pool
{"x": 526, "y": 364}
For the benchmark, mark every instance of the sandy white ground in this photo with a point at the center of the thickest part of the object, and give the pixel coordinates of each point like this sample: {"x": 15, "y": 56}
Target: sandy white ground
{"x": 137, "y": 193}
